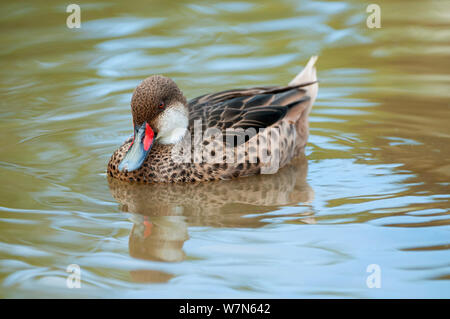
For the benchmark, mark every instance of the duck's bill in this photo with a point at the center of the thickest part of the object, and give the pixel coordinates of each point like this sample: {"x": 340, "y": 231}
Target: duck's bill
{"x": 139, "y": 149}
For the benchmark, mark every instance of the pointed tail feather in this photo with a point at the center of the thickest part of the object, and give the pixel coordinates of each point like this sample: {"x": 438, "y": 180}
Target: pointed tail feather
{"x": 301, "y": 114}
{"x": 308, "y": 74}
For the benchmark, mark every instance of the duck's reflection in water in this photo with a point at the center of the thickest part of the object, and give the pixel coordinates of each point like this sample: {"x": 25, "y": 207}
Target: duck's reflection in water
{"x": 161, "y": 213}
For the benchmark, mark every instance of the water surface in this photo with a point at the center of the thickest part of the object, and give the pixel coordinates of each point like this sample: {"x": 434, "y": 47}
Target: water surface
{"x": 372, "y": 189}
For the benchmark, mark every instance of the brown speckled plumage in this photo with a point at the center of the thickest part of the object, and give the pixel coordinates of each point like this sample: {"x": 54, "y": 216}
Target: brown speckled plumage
{"x": 283, "y": 109}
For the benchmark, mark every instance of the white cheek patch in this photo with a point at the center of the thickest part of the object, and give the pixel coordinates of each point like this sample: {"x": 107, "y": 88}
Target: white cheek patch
{"x": 172, "y": 124}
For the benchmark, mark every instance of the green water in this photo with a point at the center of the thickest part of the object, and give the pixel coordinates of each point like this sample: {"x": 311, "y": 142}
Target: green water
{"x": 373, "y": 189}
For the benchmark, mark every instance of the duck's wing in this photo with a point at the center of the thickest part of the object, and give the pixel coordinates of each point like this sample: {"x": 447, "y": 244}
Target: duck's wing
{"x": 257, "y": 108}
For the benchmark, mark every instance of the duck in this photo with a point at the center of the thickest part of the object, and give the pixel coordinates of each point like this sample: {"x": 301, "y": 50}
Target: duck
{"x": 217, "y": 136}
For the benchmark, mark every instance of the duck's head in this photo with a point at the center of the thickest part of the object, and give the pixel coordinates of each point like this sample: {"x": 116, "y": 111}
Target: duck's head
{"x": 159, "y": 114}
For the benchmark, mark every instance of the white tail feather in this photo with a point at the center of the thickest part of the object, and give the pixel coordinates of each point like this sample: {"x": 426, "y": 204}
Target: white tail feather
{"x": 308, "y": 74}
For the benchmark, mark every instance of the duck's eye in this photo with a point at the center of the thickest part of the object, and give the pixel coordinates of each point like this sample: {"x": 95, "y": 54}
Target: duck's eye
{"x": 162, "y": 105}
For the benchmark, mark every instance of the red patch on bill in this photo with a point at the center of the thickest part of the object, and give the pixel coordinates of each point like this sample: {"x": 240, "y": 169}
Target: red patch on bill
{"x": 148, "y": 139}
